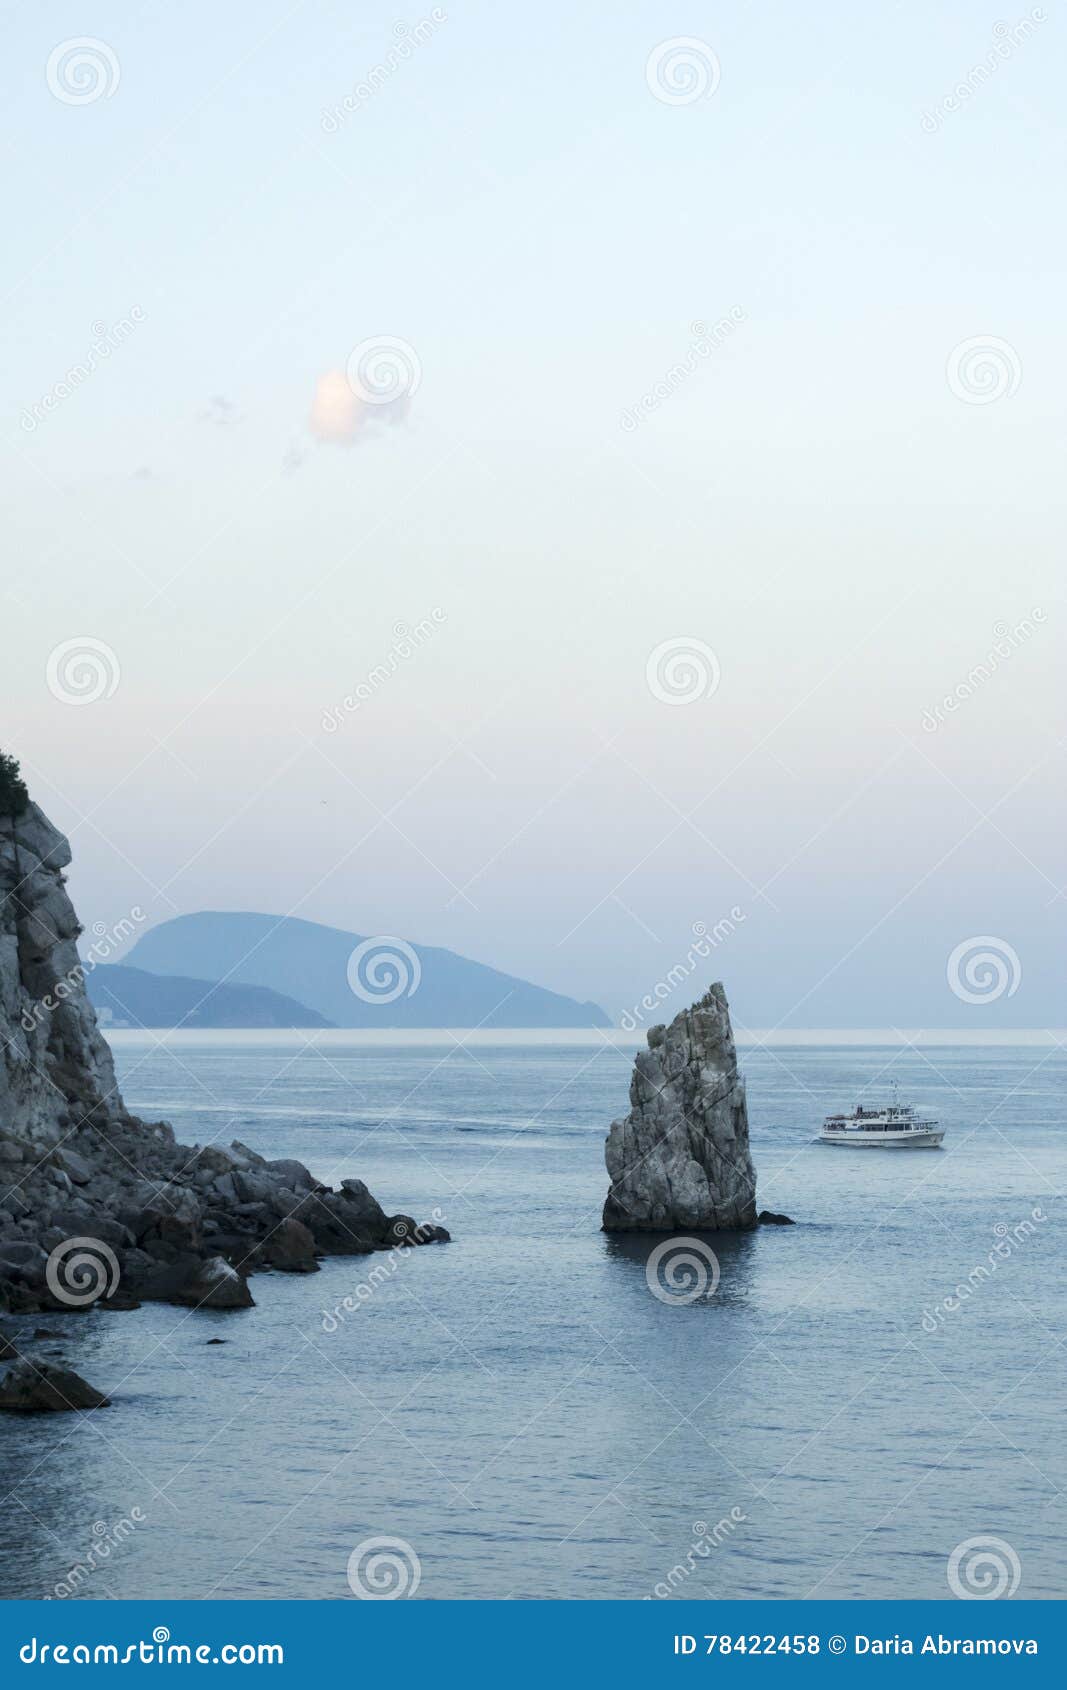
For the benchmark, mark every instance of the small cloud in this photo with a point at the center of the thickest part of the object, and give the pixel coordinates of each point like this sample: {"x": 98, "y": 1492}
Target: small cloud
{"x": 339, "y": 416}
{"x": 221, "y": 411}
{"x": 336, "y": 414}
{"x": 145, "y": 473}
{"x": 292, "y": 460}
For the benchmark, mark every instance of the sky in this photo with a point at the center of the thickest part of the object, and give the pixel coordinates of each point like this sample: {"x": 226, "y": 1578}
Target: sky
{"x": 644, "y": 417}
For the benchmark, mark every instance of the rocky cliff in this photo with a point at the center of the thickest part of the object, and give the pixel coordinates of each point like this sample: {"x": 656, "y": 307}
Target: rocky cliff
{"x": 96, "y": 1205}
{"x": 680, "y": 1158}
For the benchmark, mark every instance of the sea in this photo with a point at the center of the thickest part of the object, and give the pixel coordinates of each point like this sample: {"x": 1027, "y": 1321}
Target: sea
{"x": 864, "y": 1404}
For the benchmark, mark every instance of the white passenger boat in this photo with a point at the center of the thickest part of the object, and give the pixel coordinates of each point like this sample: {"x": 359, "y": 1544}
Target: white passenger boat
{"x": 894, "y": 1126}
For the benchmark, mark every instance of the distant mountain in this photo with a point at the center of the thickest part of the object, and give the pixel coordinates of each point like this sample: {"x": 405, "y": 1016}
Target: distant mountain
{"x": 351, "y": 980}
{"x": 144, "y": 999}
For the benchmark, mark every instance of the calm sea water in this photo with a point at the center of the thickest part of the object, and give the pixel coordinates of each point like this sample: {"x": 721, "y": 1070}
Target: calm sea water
{"x": 520, "y": 1409}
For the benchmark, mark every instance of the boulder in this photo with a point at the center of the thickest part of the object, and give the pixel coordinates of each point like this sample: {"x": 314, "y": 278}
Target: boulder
{"x": 213, "y": 1160}
{"x": 164, "y": 1218}
{"x": 31, "y": 1387}
{"x": 290, "y": 1247}
{"x": 293, "y": 1174}
{"x": 400, "y": 1230}
{"x": 680, "y": 1159}
{"x": 213, "y": 1284}
{"x": 74, "y": 1166}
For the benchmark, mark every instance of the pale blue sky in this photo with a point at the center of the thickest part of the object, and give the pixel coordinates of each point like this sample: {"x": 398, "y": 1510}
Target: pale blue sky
{"x": 813, "y": 502}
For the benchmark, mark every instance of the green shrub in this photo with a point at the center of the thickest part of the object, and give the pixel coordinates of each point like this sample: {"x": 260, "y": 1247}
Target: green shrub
{"x": 13, "y": 794}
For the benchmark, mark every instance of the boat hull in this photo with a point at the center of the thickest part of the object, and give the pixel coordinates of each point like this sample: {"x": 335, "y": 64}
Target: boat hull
{"x": 921, "y": 1140}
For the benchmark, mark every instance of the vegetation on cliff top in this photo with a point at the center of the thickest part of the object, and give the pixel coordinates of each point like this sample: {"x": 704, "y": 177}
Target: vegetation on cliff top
{"x": 13, "y": 794}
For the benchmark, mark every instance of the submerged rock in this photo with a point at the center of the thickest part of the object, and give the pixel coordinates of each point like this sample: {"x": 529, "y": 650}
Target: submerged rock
{"x": 39, "y": 1388}
{"x": 680, "y": 1158}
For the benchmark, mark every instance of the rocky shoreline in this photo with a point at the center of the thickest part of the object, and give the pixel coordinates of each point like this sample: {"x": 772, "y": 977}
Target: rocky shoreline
{"x": 97, "y": 1207}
